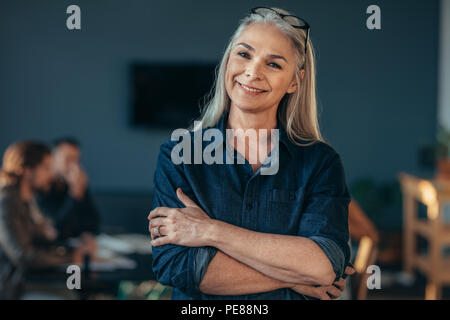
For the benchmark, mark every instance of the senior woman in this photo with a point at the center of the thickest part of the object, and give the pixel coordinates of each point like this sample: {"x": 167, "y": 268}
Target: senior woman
{"x": 226, "y": 231}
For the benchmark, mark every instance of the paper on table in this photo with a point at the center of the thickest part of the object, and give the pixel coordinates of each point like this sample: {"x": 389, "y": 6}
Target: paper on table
{"x": 122, "y": 243}
{"x": 114, "y": 244}
{"x": 108, "y": 264}
{"x": 113, "y": 264}
{"x": 139, "y": 242}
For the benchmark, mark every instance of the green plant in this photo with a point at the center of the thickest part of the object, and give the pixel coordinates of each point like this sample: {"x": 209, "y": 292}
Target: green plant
{"x": 381, "y": 201}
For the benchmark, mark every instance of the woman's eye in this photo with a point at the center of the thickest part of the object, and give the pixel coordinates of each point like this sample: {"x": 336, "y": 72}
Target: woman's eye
{"x": 243, "y": 54}
{"x": 275, "y": 65}
{"x": 247, "y": 56}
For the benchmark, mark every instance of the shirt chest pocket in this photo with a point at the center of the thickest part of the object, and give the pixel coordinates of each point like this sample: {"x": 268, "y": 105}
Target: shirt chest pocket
{"x": 283, "y": 210}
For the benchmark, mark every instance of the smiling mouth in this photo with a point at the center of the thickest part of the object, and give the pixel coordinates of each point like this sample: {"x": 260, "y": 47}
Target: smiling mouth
{"x": 249, "y": 89}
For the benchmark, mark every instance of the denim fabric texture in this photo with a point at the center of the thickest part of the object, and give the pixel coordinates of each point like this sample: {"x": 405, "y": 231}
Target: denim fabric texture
{"x": 307, "y": 197}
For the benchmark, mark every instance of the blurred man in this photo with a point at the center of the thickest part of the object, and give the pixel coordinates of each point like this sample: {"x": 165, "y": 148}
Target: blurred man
{"x": 359, "y": 224}
{"x": 69, "y": 203}
{"x": 26, "y": 236}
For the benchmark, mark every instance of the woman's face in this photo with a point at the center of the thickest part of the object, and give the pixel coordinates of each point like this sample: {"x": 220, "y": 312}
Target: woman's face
{"x": 40, "y": 177}
{"x": 262, "y": 58}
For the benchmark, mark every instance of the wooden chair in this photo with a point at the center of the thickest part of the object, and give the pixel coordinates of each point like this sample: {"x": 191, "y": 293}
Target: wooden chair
{"x": 365, "y": 256}
{"x": 434, "y": 194}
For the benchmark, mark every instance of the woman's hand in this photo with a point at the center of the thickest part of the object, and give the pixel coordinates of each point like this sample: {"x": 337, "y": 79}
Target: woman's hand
{"x": 183, "y": 226}
{"x": 324, "y": 292}
{"x": 49, "y": 230}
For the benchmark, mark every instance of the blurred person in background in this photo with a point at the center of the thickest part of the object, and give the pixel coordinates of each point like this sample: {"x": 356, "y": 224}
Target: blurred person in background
{"x": 26, "y": 235}
{"x": 360, "y": 225}
{"x": 68, "y": 202}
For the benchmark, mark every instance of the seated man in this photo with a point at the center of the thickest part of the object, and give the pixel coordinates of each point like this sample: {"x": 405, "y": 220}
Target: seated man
{"x": 359, "y": 224}
{"x": 26, "y": 236}
{"x": 69, "y": 203}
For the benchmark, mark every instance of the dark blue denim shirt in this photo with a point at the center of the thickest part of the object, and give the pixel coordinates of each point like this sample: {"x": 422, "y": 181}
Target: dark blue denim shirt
{"x": 308, "y": 197}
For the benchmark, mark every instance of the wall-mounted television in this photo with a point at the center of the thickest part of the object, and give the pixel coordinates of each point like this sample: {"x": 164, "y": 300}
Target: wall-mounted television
{"x": 169, "y": 95}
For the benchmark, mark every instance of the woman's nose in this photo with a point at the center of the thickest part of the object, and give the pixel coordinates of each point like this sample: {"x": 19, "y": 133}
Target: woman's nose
{"x": 253, "y": 70}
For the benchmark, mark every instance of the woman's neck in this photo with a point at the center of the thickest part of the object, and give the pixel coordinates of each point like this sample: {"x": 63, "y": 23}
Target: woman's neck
{"x": 238, "y": 119}
{"x": 254, "y": 150}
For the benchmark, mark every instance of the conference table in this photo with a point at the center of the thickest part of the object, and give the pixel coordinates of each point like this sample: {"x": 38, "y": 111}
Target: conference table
{"x": 97, "y": 278}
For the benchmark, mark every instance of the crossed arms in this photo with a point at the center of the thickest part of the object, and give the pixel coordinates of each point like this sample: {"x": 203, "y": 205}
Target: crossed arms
{"x": 266, "y": 262}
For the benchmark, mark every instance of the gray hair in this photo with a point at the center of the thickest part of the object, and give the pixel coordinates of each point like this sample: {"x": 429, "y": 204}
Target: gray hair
{"x": 297, "y": 111}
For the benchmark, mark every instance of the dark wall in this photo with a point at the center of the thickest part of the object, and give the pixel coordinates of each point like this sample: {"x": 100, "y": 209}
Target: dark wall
{"x": 377, "y": 89}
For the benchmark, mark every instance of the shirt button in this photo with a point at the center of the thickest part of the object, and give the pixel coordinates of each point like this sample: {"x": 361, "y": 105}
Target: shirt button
{"x": 249, "y": 206}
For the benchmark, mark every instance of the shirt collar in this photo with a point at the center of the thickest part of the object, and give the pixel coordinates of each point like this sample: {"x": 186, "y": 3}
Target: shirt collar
{"x": 222, "y": 125}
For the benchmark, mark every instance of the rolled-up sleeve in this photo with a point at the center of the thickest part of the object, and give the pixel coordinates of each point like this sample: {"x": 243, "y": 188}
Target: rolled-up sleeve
{"x": 334, "y": 254}
{"x": 178, "y": 266}
{"x": 325, "y": 215}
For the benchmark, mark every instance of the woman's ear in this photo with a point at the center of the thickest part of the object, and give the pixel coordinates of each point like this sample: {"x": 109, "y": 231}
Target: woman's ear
{"x": 293, "y": 86}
